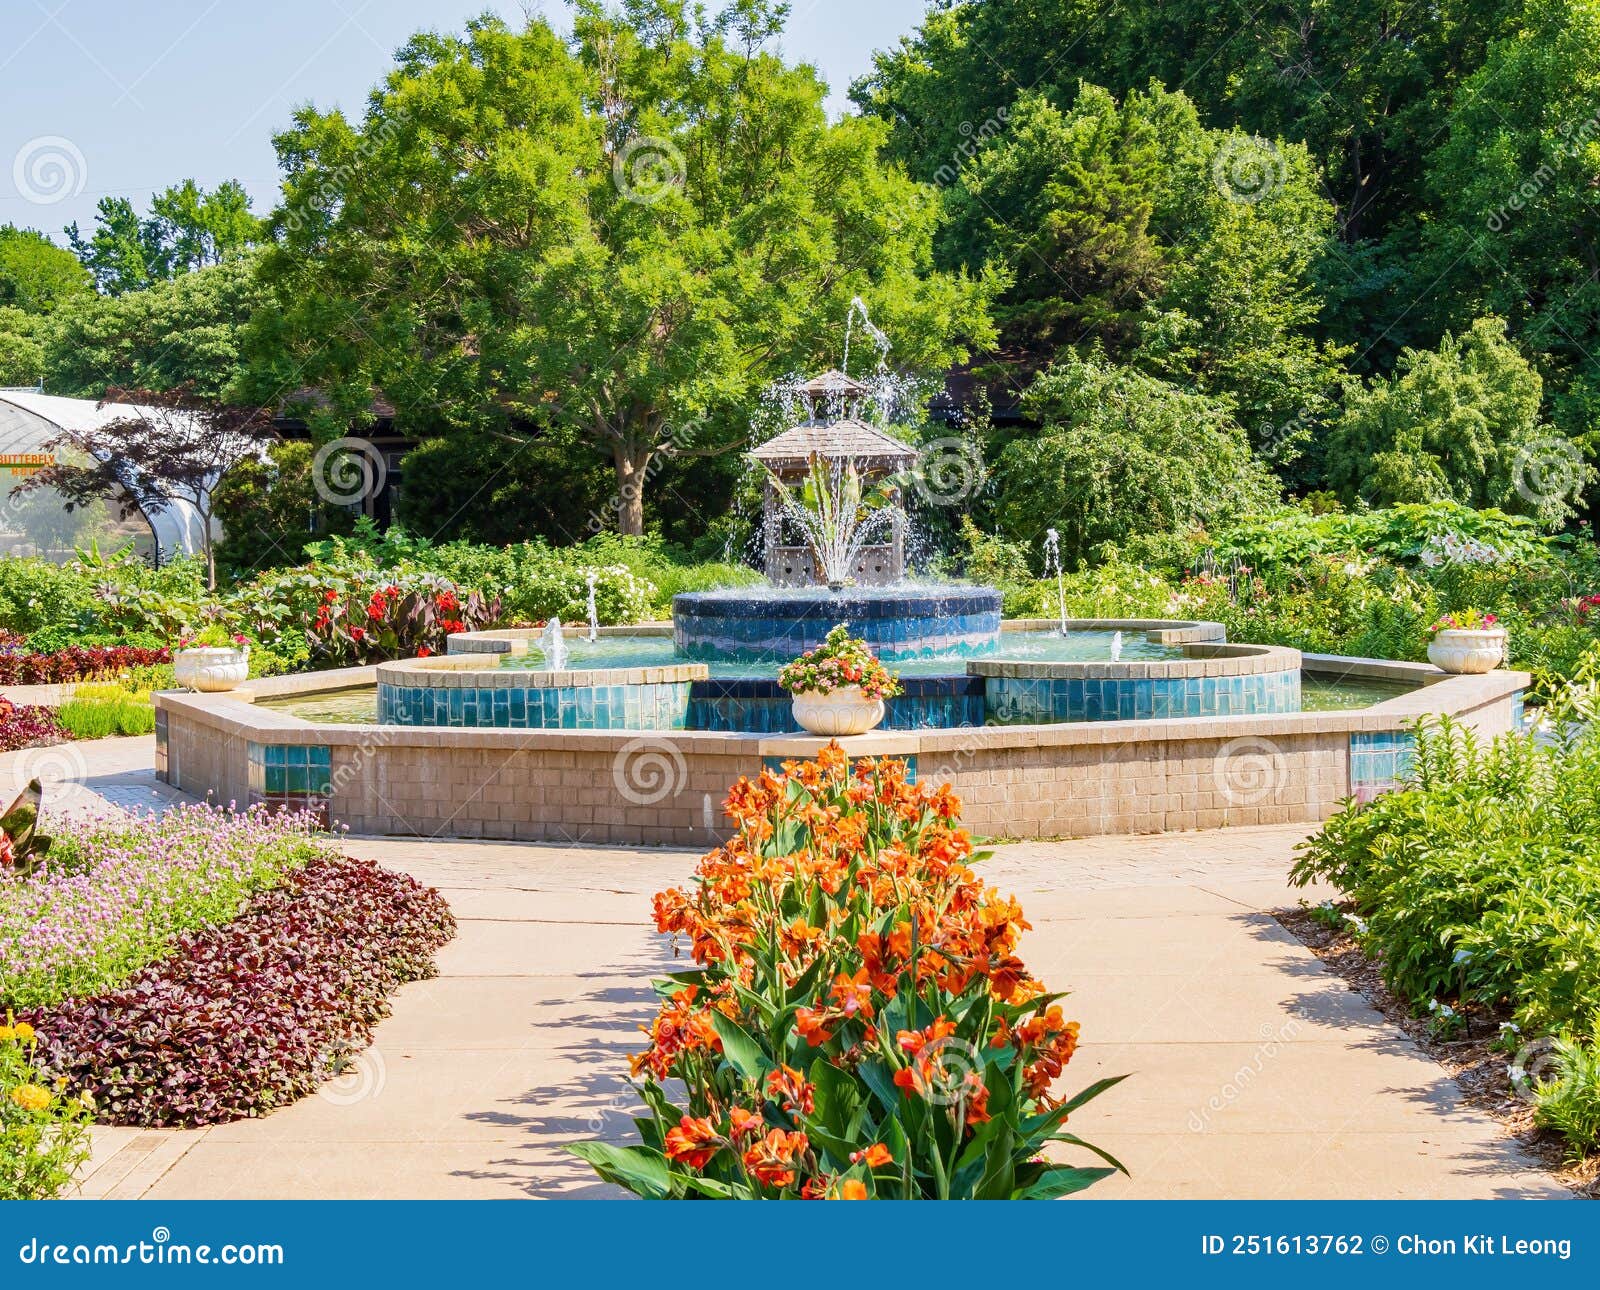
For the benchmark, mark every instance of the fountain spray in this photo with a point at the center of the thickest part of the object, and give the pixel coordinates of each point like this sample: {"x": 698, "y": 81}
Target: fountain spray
{"x": 594, "y": 613}
{"x": 1052, "y": 556}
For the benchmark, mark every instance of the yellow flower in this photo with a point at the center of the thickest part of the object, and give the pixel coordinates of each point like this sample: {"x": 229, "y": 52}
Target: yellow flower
{"x": 23, "y": 1032}
{"x": 30, "y": 1097}
{"x": 7, "y": 1032}
{"x": 61, "y": 1083}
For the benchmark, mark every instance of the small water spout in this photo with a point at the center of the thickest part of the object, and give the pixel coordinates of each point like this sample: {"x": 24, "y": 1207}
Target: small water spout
{"x": 1052, "y": 558}
{"x": 1116, "y": 646}
{"x": 594, "y": 613}
{"x": 554, "y": 646}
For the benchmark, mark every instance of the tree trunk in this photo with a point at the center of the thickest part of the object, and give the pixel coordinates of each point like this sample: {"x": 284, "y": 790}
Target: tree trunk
{"x": 632, "y": 469}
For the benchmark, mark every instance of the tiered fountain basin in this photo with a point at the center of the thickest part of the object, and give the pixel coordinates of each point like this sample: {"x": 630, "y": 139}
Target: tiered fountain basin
{"x": 637, "y": 680}
{"x": 900, "y": 623}
{"x": 312, "y": 742}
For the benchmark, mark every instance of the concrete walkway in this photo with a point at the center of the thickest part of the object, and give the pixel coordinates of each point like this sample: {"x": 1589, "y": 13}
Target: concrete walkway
{"x": 1253, "y": 1072}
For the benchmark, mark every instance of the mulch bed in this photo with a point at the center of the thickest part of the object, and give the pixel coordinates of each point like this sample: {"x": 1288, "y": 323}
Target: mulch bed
{"x": 1472, "y": 1059}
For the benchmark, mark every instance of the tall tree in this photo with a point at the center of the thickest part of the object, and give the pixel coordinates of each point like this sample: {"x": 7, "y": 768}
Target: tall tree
{"x": 1133, "y": 231}
{"x": 187, "y": 228}
{"x": 184, "y": 332}
{"x": 1457, "y": 423}
{"x": 623, "y": 238}
{"x": 36, "y": 275}
{"x": 1517, "y": 230}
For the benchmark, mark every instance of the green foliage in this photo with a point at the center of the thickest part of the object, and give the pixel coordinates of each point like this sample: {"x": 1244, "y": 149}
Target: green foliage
{"x": 21, "y": 347}
{"x": 498, "y": 489}
{"x": 187, "y": 228}
{"x": 36, "y": 275}
{"x": 1457, "y": 423}
{"x": 1120, "y": 453}
{"x": 270, "y": 509}
{"x": 1478, "y": 880}
{"x": 656, "y": 220}
{"x": 1569, "y": 1100}
{"x": 1120, "y": 235}
{"x": 101, "y": 709}
{"x": 186, "y": 331}
{"x": 44, "y": 1132}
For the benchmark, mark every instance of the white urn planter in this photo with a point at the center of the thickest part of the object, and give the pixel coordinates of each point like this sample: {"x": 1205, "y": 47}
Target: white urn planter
{"x": 1468, "y": 651}
{"x": 844, "y": 712}
{"x": 211, "y": 669}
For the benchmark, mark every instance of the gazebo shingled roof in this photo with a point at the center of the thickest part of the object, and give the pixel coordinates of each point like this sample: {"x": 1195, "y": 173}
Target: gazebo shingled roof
{"x": 855, "y": 440}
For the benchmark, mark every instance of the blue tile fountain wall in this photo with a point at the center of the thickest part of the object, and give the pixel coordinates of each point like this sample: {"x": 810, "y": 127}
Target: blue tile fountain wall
{"x": 1027, "y": 701}
{"x": 294, "y": 777}
{"x": 953, "y": 622}
{"x": 637, "y": 706}
{"x": 1379, "y": 761}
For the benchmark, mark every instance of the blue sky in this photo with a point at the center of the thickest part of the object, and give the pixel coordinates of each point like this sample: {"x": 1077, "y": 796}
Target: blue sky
{"x": 108, "y": 97}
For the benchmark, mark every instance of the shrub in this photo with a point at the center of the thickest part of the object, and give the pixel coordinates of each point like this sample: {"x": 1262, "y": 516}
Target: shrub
{"x": 24, "y": 725}
{"x": 44, "y": 1134}
{"x": 859, "y": 1024}
{"x": 114, "y": 894}
{"x": 248, "y": 1016}
{"x": 35, "y": 594}
{"x": 1569, "y": 1102}
{"x": 75, "y": 664}
{"x": 97, "y": 711}
{"x": 53, "y": 640}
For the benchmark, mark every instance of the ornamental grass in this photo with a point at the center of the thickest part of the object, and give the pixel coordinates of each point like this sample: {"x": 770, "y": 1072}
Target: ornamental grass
{"x": 859, "y": 1025}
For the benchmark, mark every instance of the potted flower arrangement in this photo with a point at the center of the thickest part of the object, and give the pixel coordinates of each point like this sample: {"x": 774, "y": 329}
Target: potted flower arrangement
{"x": 839, "y": 687}
{"x": 211, "y": 660}
{"x": 1469, "y": 642}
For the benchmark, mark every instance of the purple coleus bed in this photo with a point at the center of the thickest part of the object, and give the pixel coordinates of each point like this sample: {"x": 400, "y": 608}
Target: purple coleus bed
{"x": 251, "y": 1015}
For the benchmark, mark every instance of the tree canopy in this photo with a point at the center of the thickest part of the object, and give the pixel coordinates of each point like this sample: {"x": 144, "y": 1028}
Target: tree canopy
{"x": 626, "y": 237}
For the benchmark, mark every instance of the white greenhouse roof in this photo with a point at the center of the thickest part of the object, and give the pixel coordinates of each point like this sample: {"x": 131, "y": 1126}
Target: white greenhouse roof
{"x": 29, "y": 421}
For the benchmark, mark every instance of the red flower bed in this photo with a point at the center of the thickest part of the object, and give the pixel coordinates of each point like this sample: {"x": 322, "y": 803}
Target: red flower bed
{"x": 254, "y": 1014}
{"x": 28, "y": 726}
{"x": 76, "y": 664}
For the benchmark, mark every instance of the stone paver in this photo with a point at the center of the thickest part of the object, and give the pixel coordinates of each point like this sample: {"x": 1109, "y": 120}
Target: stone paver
{"x": 1253, "y": 1073}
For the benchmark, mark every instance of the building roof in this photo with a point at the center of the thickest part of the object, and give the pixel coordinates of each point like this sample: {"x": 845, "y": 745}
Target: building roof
{"x": 29, "y": 420}
{"x": 833, "y": 381}
{"x": 835, "y": 440}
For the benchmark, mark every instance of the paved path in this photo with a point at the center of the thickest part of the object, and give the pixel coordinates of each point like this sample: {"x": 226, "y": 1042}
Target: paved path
{"x": 1253, "y": 1072}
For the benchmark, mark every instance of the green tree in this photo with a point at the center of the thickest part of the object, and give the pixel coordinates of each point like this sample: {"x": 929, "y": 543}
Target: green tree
{"x": 21, "y": 347}
{"x": 187, "y": 228}
{"x": 1121, "y": 454}
{"x": 1134, "y": 230}
{"x": 500, "y": 489}
{"x": 183, "y": 332}
{"x": 623, "y": 240}
{"x": 269, "y": 508}
{"x": 1518, "y": 226}
{"x": 36, "y": 275}
{"x": 1460, "y": 423}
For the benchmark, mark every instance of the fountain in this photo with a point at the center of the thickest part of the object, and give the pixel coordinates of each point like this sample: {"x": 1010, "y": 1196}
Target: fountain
{"x": 1052, "y": 556}
{"x": 554, "y": 646}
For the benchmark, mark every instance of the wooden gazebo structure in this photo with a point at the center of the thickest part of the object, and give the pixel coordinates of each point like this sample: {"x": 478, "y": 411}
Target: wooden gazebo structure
{"x": 834, "y": 432}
